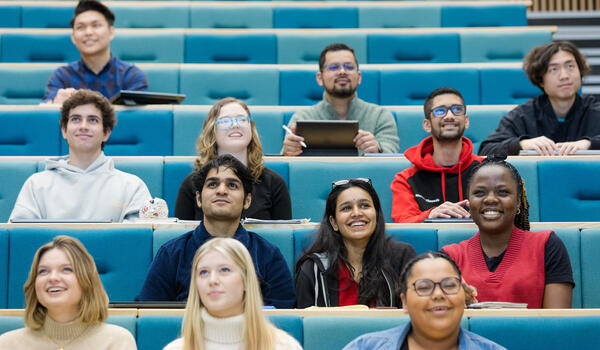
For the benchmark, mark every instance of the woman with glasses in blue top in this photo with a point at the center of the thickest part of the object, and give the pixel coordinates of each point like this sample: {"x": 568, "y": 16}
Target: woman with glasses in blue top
{"x": 230, "y": 129}
{"x": 352, "y": 261}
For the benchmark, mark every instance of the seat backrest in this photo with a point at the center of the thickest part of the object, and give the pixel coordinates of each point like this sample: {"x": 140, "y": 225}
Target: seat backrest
{"x": 174, "y": 172}
{"x": 590, "y": 274}
{"x": 427, "y": 16}
{"x": 506, "y": 86}
{"x": 150, "y": 170}
{"x": 10, "y": 16}
{"x": 161, "y": 78}
{"x": 302, "y": 47}
{"x": 44, "y": 16}
{"x": 501, "y": 46}
{"x": 315, "y": 17}
{"x": 38, "y": 47}
{"x": 413, "y": 48}
{"x": 33, "y": 132}
{"x": 163, "y": 47}
{"x": 422, "y": 239}
{"x": 23, "y": 86}
{"x": 3, "y": 268}
{"x": 11, "y": 184}
{"x": 155, "y": 332}
{"x": 154, "y": 16}
{"x": 209, "y": 16}
{"x": 484, "y": 15}
{"x": 231, "y": 48}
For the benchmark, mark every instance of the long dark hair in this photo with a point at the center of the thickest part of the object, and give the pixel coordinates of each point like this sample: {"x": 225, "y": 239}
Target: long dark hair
{"x": 372, "y": 285}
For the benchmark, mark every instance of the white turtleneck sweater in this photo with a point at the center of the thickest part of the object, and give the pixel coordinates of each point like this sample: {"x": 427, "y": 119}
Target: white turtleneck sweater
{"x": 228, "y": 334}
{"x": 70, "y": 336}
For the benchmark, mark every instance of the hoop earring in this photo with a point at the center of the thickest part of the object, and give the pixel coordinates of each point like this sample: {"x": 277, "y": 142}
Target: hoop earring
{"x": 518, "y": 211}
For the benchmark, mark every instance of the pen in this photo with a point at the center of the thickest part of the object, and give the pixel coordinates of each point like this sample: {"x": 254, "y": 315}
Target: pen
{"x": 287, "y": 130}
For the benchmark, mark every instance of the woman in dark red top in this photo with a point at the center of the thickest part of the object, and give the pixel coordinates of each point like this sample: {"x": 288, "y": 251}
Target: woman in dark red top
{"x": 352, "y": 261}
{"x": 504, "y": 260}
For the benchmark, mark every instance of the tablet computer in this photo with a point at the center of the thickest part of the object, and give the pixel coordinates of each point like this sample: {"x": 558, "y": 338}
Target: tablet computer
{"x": 133, "y": 98}
{"x": 328, "y": 137}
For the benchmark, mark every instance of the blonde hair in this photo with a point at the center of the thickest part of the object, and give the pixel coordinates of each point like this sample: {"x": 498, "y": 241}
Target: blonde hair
{"x": 259, "y": 333}
{"x": 93, "y": 306}
{"x": 206, "y": 145}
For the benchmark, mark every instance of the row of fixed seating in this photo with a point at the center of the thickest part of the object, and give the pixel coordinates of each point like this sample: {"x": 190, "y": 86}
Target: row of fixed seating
{"x": 295, "y": 85}
{"x": 172, "y": 131}
{"x": 153, "y": 332}
{"x": 274, "y": 15}
{"x": 124, "y": 263}
{"x": 576, "y": 199}
{"x": 283, "y": 46}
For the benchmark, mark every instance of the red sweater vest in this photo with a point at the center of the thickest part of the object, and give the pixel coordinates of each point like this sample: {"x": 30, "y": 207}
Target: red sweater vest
{"x": 520, "y": 276}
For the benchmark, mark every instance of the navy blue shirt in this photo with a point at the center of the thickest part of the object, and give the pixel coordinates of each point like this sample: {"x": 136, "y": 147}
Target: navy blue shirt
{"x": 114, "y": 77}
{"x": 169, "y": 275}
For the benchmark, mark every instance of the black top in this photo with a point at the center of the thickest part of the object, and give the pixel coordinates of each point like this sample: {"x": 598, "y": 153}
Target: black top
{"x": 270, "y": 199}
{"x": 557, "y": 265}
{"x": 536, "y": 118}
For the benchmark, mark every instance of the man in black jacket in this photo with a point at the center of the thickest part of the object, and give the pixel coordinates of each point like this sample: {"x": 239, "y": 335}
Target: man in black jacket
{"x": 560, "y": 121}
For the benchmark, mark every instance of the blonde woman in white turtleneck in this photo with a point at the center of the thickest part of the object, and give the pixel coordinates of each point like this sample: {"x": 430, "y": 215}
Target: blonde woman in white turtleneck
{"x": 66, "y": 304}
{"x": 224, "y": 307}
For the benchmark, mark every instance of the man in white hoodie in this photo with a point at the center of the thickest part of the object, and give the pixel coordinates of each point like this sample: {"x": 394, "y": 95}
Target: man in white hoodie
{"x": 85, "y": 184}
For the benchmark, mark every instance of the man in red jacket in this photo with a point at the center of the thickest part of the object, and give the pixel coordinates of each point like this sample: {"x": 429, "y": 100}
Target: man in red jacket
{"x": 436, "y": 185}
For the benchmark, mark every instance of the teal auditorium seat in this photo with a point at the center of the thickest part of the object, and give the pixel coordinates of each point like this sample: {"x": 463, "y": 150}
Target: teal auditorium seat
{"x": 15, "y": 174}
{"x": 139, "y": 132}
{"x": 315, "y": 17}
{"x": 495, "y": 46}
{"x": 310, "y": 196}
{"x": 484, "y": 15}
{"x": 129, "y": 322}
{"x": 569, "y": 190}
{"x": 3, "y": 268}
{"x": 205, "y": 86}
{"x": 150, "y": 170}
{"x": 292, "y": 324}
{"x": 422, "y": 239}
{"x": 303, "y": 239}
{"x": 590, "y": 275}
{"x": 32, "y": 132}
{"x": 162, "y": 78}
{"x": 122, "y": 256}
{"x": 399, "y": 17}
{"x": 537, "y": 333}
{"x": 413, "y": 48}
{"x": 164, "y": 47}
{"x": 302, "y": 48}
{"x": 10, "y": 323}
{"x": 10, "y": 16}
{"x": 453, "y": 235}
{"x": 203, "y": 16}
{"x": 506, "y": 86}
{"x": 40, "y": 16}
{"x": 528, "y": 169}
{"x": 174, "y": 172}
{"x": 298, "y": 87}
{"x": 163, "y": 235}
{"x": 46, "y": 47}
{"x": 408, "y": 85}
{"x": 231, "y": 48}
{"x": 151, "y": 16}
{"x": 341, "y": 330}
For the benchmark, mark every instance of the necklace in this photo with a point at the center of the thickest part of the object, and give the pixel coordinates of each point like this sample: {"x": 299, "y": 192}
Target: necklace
{"x": 62, "y": 346}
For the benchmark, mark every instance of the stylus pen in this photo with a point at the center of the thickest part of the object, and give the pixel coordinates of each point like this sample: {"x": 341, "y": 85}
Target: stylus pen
{"x": 287, "y": 130}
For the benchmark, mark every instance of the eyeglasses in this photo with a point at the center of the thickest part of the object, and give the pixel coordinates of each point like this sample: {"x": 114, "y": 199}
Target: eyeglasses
{"x": 449, "y": 285}
{"x": 347, "y": 181}
{"x": 441, "y": 111}
{"x": 335, "y": 66}
{"x": 227, "y": 122}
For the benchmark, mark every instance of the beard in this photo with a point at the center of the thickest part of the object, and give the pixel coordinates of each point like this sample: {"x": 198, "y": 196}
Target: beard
{"x": 344, "y": 92}
{"x": 445, "y": 136}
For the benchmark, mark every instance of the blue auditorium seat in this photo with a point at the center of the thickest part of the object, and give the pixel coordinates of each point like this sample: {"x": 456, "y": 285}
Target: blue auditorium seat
{"x": 399, "y": 16}
{"x": 122, "y": 264}
{"x": 539, "y": 333}
{"x": 315, "y": 17}
{"x": 23, "y": 86}
{"x": 175, "y": 171}
{"x": 10, "y": 323}
{"x": 33, "y": 132}
{"x": 301, "y": 48}
{"x": 506, "y": 86}
{"x": 163, "y": 47}
{"x": 410, "y": 85}
{"x": 172, "y": 15}
{"x": 231, "y": 48}
{"x": 292, "y": 324}
{"x": 149, "y": 169}
{"x": 454, "y": 235}
{"x": 484, "y": 15}
{"x": 569, "y": 190}
{"x": 422, "y": 239}
{"x": 528, "y": 169}
{"x": 303, "y": 239}
{"x": 298, "y": 87}
{"x": 413, "y": 48}
{"x": 162, "y": 78}
{"x": 155, "y": 332}
{"x": 207, "y": 16}
{"x": 10, "y": 16}
{"x": 205, "y": 85}
{"x": 38, "y": 47}
{"x": 163, "y": 235}
{"x": 129, "y": 322}
{"x": 15, "y": 174}
{"x": 3, "y": 268}
{"x": 501, "y": 46}
{"x": 590, "y": 275}
{"x": 44, "y": 16}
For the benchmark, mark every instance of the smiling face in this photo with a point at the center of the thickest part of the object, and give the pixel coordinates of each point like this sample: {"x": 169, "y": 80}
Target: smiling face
{"x": 436, "y": 316}
{"x": 450, "y": 127}
{"x": 562, "y": 80}
{"x": 56, "y": 285}
{"x": 222, "y": 196}
{"x": 355, "y": 216}
{"x": 341, "y": 83}
{"x": 220, "y": 285}
{"x": 92, "y": 34}
{"x": 237, "y": 136}
{"x": 493, "y": 199}
{"x": 84, "y": 131}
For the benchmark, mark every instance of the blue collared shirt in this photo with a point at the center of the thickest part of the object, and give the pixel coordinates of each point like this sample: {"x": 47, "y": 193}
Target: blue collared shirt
{"x": 114, "y": 77}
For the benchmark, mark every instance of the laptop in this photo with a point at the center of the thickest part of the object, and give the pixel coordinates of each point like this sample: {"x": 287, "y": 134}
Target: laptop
{"x": 133, "y": 98}
{"x": 328, "y": 137}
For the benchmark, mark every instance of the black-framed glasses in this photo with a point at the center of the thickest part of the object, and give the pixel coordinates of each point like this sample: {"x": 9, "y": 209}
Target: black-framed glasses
{"x": 449, "y": 285}
{"x": 441, "y": 111}
{"x": 347, "y": 181}
{"x": 335, "y": 66}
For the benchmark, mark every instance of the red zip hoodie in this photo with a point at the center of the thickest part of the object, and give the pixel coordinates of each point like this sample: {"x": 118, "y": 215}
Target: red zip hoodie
{"x": 425, "y": 185}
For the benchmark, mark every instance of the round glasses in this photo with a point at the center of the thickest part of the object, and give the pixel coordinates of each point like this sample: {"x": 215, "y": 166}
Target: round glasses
{"x": 441, "y": 111}
{"x": 228, "y": 122}
{"x": 335, "y": 66}
{"x": 449, "y": 285}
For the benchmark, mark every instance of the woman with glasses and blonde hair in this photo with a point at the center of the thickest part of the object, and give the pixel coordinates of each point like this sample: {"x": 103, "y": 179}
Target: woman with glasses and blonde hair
{"x": 230, "y": 129}
{"x": 352, "y": 261}
{"x": 224, "y": 307}
{"x": 66, "y": 304}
